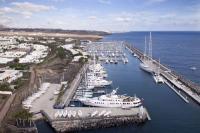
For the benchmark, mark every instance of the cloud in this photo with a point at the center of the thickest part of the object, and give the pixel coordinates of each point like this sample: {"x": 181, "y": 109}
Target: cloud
{"x": 104, "y": 1}
{"x": 5, "y": 20}
{"x": 155, "y": 1}
{"x": 58, "y": 0}
{"x": 92, "y": 17}
{"x": 5, "y": 10}
{"x": 112, "y": 20}
{"x": 6, "y": 0}
{"x": 123, "y": 19}
{"x": 25, "y": 9}
{"x": 31, "y": 7}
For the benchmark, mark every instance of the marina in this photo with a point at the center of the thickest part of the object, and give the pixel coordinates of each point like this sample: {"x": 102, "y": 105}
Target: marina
{"x": 100, "y": 66}
{"x": 107, "y": 52}
{"x": 89, "y": 87}
{"x": 68, "y": 117}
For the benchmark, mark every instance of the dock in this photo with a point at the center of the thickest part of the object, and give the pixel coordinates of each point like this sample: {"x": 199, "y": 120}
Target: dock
{"x": 191, "y": 89}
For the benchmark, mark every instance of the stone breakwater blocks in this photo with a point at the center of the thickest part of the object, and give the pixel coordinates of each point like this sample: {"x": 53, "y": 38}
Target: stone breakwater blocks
{"x": 92, "y": 123}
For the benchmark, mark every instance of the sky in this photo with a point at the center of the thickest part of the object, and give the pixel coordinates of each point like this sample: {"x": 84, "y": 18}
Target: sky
{"x": 104, "y": 15}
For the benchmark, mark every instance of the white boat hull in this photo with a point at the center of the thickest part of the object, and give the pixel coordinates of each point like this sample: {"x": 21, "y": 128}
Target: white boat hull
{"x": 107, "y": 104}
{"x": 146, "y": 68}
{"x": 158, "y": 79}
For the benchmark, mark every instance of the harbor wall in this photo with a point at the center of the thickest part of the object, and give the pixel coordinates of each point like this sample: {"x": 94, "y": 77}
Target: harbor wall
{"x": 72, "y": 125}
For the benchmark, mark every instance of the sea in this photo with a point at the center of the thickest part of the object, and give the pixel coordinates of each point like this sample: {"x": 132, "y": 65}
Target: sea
{"x": 180, "y": 51}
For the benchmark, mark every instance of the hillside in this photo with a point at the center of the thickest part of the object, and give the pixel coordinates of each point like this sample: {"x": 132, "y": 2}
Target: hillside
{"x": 79, "y": 32}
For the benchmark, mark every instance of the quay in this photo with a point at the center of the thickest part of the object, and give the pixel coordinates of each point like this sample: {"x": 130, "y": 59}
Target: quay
{"x": 171, "y": 78}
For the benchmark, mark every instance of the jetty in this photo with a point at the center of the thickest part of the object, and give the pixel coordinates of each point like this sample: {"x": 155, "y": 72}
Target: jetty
{"x": 190, "y": 88}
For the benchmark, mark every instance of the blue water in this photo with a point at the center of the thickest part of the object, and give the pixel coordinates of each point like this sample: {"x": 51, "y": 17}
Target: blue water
{"x": 169, "y": 113}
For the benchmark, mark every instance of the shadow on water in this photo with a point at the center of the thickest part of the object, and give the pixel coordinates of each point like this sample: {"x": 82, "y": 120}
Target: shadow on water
{"x": 44, "y": 127}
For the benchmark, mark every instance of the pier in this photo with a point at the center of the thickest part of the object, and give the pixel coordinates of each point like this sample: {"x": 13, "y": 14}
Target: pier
{"x": 177, "y": 92}
{"x": 171, "y": 77}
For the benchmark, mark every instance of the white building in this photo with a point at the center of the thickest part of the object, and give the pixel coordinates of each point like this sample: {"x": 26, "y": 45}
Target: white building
{"x": 9, "y": 75}
{"x": 36, "y": 56}
{"x": 69, "y": 40}
{"x": 5, "y": 60}
{"x": 7, "y": 41}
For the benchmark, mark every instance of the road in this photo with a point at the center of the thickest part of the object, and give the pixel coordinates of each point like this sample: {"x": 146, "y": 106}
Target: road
{"x": 69, "y": 93}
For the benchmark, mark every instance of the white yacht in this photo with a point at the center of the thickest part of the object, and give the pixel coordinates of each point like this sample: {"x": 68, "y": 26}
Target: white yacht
{"x": 146, "y": 67}
{"x": 112, "y": 100}
{"x": 158, "y": 78}
{"x": 193, "y": 68}
{"x": 111, "y": 61}
{"x": 134, "y": 55}
{"x": 99, "y": 82}
{"x": 107, "y": 61}
{"x": 99, "y": 75}
{"x": 90, "y": 87}
{"x": 126, "y": 60}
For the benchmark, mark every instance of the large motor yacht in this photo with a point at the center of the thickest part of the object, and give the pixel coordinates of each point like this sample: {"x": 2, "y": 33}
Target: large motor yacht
{"x": 112, "y": 100}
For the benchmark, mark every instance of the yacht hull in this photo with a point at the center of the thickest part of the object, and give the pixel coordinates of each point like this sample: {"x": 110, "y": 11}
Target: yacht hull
{"x": 108, "y": 104}
{"x": 146, "y": 68}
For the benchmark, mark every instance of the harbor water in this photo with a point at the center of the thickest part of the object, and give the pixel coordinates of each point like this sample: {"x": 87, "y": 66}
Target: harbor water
{"x": 169, "y": 113}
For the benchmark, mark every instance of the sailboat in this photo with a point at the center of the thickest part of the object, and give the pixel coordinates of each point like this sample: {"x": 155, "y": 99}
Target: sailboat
{"x": 145, "y": 65}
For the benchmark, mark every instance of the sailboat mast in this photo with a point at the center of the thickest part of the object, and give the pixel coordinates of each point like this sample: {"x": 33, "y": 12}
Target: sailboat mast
{"x": 150, "y": 46}
{"x": 145, "y": 46}
{"x": 159, "y": 66}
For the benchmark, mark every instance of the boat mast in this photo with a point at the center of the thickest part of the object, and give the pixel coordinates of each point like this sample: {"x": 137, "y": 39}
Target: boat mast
{"x": 150, "y": 46}
{"x": 159, "y": 66}
{"x": 145, "y": 46}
